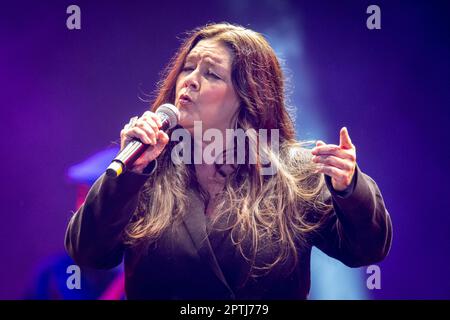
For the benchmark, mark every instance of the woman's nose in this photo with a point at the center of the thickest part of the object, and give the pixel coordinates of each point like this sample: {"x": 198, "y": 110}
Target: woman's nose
{"x": 191, "y": 82}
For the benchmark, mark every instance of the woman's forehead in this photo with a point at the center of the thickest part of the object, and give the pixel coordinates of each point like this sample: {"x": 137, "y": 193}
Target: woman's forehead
{"x": 213, "y": 49}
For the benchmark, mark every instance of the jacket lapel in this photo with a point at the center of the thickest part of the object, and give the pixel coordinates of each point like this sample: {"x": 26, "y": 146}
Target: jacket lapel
{"x": 195, "y": 223}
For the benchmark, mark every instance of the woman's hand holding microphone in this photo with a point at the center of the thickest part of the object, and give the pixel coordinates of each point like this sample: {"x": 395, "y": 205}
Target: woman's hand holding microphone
{"x": 145, "y": 129}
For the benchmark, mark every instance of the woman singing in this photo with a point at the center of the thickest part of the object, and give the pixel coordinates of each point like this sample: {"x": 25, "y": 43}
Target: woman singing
{"x": 228, "y": 230}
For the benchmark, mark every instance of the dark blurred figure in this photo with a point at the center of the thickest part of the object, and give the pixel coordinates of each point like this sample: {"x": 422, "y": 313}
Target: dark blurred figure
{"x": 51, "y": 277}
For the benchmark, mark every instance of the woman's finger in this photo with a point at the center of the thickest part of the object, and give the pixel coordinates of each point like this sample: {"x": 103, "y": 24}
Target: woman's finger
{"x": 334, "y": 150}
{"x": 333, "y": 161}
{"x": 153, "y": 116}
{"x": 150, "y": 129}
{"x": 344, "y": 139}
{"x": 140, "y": 134}
{"x": 163, "y": 137}
{"x": 131, "y": 123}
{"x": 330, "y": 170}
{"x": 341, "y": 179}
{"x": 157, "y": 119}
{"x": 333, "y": 172}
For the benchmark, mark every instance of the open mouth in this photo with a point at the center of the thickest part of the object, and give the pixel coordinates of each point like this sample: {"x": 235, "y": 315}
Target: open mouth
{"x": 184, "y": 98}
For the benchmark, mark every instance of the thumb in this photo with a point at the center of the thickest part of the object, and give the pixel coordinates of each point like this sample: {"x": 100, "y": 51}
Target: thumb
{"x": 163, "y": 138}
{"x": 161, "y": 141}
{"x": 344, "y": 141}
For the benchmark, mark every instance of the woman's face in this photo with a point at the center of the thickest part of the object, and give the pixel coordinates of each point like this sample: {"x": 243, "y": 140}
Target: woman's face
{"x": 204, "y": 90}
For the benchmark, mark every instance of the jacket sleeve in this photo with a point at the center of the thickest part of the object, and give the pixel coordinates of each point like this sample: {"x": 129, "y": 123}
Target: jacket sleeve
{"x": 94, "y": 233}
{"x": 358, "y": 231}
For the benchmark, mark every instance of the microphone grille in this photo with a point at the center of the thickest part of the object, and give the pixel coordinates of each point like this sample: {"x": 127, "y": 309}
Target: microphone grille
{"x": 170, "y": 112}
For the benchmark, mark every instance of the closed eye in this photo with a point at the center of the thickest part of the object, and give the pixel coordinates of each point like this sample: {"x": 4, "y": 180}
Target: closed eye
{"x": 187, "y": 69}
{"x": 209, "y": 73}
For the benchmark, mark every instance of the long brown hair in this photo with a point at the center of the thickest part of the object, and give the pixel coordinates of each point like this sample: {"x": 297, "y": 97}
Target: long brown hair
{"x": 275, "y": 208}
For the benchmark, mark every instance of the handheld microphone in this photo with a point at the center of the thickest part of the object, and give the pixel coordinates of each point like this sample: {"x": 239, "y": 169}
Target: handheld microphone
{"x": 168, "y": 115}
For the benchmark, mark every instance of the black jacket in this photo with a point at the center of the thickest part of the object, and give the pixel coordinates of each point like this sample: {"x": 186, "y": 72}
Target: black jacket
{"x": 188, "y": 263}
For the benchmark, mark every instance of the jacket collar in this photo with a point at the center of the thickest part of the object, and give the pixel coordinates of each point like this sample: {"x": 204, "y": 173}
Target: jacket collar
{"x": 195, "y": 223}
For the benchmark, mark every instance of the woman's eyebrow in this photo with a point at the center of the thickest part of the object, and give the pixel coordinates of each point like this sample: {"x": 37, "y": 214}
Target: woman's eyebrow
{"x": 195, "y": 56}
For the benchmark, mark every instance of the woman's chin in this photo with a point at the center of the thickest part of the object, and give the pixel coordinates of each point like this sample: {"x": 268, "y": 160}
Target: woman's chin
{"x": 187, "y": 125}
